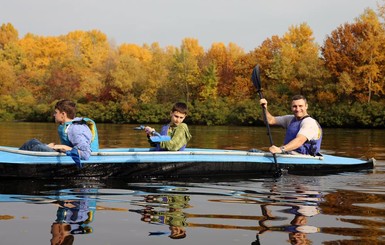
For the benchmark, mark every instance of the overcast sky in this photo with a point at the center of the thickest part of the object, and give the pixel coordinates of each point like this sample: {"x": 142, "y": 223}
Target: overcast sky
{"x": 244, "y": 22}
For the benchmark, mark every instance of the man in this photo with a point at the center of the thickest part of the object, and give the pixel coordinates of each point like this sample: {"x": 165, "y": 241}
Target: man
{"x": 303, "y": 133}
{"x": 176, "y": 129}
{"x": 76, "y": 133}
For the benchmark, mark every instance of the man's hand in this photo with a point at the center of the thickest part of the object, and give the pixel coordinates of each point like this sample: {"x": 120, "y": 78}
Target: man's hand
{"x": 275, "y": 149}
{"x": 263, "y": 102}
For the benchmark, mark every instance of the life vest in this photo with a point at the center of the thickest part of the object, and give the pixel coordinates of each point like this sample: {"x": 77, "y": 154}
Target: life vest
{"x": 80, "y": 121}
{"x": 310, "y": 147}
{"x": 164, "y": 131}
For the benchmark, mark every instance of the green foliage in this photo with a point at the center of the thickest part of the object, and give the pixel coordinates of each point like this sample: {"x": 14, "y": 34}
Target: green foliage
{"x": 246, "y": 112}
{"x": 152, "y": 113}
{"x": 210, "y": 112}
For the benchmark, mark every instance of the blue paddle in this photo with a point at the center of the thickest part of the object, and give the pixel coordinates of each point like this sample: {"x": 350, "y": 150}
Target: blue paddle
{"x": 255, "y": 77}
{"x": 156, "y": 137}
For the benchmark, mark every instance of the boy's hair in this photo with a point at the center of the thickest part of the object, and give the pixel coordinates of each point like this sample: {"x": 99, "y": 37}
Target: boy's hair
{"x": 180, "y": 107}
{"x": 68, "y": 107}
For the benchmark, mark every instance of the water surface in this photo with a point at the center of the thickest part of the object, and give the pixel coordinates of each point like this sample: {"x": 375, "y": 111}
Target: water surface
{"x": 347, "y": 208}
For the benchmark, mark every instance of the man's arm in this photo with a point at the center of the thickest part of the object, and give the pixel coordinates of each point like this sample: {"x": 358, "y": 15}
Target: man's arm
{"x": 292, "y": 145}
{"x": 270, "y": 118}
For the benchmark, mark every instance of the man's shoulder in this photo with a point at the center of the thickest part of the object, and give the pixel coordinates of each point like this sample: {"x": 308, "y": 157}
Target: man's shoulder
{"x": 310, "y": 121}
{"x": 284, "y": 120}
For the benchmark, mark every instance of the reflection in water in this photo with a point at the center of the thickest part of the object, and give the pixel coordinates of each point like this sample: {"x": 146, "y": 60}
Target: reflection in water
{"x": 364, "y": 213}
{"x": 168, "y": 210}
{"x": 291, "y": 207}
{"x": 299, "y": 204}
{"x": 73, "y": 216}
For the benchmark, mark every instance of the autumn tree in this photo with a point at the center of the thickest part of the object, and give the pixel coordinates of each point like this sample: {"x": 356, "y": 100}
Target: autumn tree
{"x": 372, "y": 51}
{"x": 184, "y": 71}
{"x": 39, "y": 54}
{"x": 291, "y": 64}
{"x": 8, "y": 34}
{"x": 354, "y": 55}
{"x": 224, "y": 58}
{"x": 92, "y": 51}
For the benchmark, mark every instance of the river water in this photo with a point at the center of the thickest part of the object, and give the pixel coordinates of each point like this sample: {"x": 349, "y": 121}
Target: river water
{"x": 346, "y": 208}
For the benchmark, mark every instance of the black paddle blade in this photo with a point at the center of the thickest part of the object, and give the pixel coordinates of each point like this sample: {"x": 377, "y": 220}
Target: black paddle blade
{"x": 255, "y": 77}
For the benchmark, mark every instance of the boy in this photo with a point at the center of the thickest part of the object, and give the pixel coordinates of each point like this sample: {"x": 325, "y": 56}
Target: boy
{"x": 74, "y": 132}
{"x": 176, "y": 129}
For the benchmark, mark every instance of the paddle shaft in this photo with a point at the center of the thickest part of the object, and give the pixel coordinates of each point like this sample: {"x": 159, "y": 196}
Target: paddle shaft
{"x": 255, "y": 77}
{"x": 268, "y": 128}
{"x": 265, "y": 120}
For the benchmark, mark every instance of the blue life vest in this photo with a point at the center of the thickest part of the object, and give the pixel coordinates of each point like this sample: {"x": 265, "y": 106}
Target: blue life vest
{"x": 310, "y": 147}
{"x": 164, "y": 131}
{"x": 87, "y": 121}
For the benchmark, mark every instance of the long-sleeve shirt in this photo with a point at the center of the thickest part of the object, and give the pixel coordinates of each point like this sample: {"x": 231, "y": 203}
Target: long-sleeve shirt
{"x": 80, "y": 137}
{"x": 180, "y": 135}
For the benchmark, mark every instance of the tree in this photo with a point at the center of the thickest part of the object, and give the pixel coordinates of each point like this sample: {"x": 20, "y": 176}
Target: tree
{"x": 372, "y": 51}
{"x": 184, "y": 71}
{"x": 354, "y": 55}
{"x": 293, "y": 64}
{"x": 8, "y": 34}
{"x": 224, "y": 58}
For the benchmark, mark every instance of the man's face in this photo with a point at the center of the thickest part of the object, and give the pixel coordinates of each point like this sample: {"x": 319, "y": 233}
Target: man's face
{"x": 177, "y": 117}
{"x": 299, "y": 108}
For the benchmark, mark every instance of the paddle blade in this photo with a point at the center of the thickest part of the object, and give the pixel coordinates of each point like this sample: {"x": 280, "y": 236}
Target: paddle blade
{"x": 141, "y": 127}
{"x": 255, "y": 77}
{"x": 159, "y": 138}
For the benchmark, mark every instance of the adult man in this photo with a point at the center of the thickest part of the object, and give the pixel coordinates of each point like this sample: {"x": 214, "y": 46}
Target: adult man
{"x": 303, "y": 133}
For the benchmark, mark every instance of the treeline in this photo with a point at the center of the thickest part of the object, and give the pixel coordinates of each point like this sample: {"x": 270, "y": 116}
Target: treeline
{"x": 343, "y": 79}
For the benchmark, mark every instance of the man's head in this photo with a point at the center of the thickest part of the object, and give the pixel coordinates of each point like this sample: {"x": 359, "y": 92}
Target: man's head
{"x": 64, "y": 109}
{"x": 178, "y": 113}
{"x": 299, "y": 106}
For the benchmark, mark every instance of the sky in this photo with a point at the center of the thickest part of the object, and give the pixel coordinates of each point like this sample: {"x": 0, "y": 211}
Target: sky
{"x": 246, "y": 23}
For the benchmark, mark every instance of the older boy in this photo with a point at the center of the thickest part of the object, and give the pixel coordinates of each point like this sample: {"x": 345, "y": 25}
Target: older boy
{"x": 74, "y": 132}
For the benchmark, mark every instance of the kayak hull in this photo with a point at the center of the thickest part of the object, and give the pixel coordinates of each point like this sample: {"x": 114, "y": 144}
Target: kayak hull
{"x": 137, "y": 163}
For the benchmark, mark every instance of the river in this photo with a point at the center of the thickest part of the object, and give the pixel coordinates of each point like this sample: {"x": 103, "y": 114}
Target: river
{"x": 346, "y": 208}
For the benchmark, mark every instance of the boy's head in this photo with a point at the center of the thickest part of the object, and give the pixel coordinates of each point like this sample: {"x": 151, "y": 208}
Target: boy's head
{"x": 178, "y": 113}
{"x": 64, "y": 108}
{"x": 180, "y": 107}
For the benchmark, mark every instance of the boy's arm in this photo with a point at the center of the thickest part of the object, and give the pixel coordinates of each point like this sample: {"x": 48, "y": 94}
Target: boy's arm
{"x": 80, "y": 137}
{"x": 179, "y": 139}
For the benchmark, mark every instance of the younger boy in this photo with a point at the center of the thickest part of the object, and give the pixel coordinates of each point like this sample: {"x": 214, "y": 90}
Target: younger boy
{"x": 176, "y": 129}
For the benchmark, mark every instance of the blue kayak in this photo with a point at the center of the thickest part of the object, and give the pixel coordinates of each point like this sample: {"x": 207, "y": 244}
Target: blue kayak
{"x": 192, "y": 162}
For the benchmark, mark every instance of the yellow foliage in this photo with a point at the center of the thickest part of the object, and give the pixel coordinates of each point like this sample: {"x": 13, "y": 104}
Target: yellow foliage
{"x": 41, "y": 51}
{"x": 8, "y": 34}
{"x": 135, "y": 51}
{"x": 192, "y": 46}
{"x": 7, "y": 78}
{"x": 91, "y": 47}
